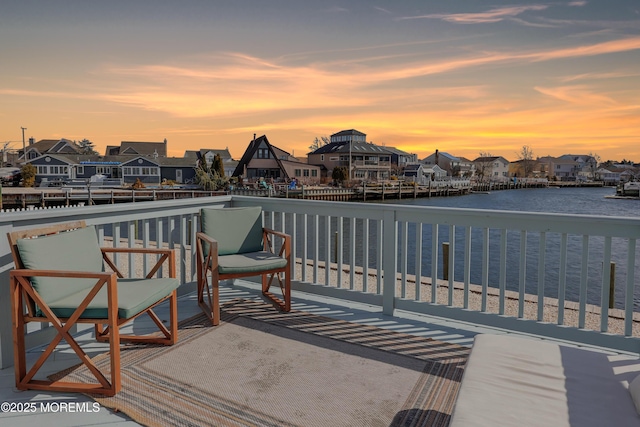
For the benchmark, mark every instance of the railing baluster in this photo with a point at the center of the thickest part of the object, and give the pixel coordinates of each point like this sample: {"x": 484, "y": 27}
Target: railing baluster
{"x": 467, "y": 266}
{"x": 404, "y": 244}
{"x": 183, "y": 248}
{"x": 584, "y": 275}
{"x": 606, "y": 281}
{"x": 434, "y": 263}
{"x": 116, "y": 239}
{"x": 452, "y": 262}
{"x": 523, "y": 273}
{"x": 628, "y": 306}
{"x": 304, "y": 243}
{"x": 365, "y": 255}
{"x": 316, "y": 251}
{"x": 542, "y": 252}
{"x": 503, "y": 271}
{"x": 562, "y": 284}
{"x": 328, "y": 240}
{"x": 485, "y": 269}
{"x": 339, "y": 249}
{"x": 132, "y": 225}
{"x": 352, "y": 252}
{"x": 418, "y": 267}
{"x": 145, "y": 244}
{"x": 160, "y": 239}
{"x": 379, "y": 243}
{"x": 294, "y": 243}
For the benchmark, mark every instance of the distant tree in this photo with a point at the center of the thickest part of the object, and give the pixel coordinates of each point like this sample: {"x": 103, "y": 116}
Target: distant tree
{"x": 217, "y": 165}
{"x": 87, "y": 147}
{"x": 28, "y": 172}
{"x": 209, "y": 179}
{"x": 526, "y": 157}
{"x": 593, "y": 165}
{"x": 317, "y": 143}
{"x": 340, "y": 173}
{"x": 484, "y": 166}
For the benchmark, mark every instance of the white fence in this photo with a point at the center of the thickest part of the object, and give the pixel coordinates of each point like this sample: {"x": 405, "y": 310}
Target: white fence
{"x": 500, "y": 264}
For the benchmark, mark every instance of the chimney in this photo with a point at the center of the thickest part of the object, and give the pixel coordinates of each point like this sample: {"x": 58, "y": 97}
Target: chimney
{"x": 166, "y": 150}
{"x": 32, "y": 141}
{"x": 437, "y": 158}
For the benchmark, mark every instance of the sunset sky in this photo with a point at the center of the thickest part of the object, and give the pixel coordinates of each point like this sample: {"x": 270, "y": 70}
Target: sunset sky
{"x": 465, "y": 77}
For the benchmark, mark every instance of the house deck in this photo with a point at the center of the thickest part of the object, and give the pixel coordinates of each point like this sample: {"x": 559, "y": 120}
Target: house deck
{"x": 23, "y": 401}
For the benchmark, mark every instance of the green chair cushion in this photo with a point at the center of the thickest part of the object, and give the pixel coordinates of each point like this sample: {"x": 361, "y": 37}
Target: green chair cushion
{"x": 237, "y": 230}
{"x": 134, "y": 295}
{"x": 255, "y": 262}
{"x": 76, "y": 250}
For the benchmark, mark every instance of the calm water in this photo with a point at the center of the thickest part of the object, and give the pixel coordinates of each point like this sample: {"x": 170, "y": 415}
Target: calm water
{"x": 588, "y": 201}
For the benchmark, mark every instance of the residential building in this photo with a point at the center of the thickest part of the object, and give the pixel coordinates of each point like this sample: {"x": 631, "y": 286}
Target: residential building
{"x": 400, "y": 159}
{"x": 263, "y": 160}
{"x": 445, "y": 161}
{"x": 349, "y": 148}
{"x": 492, "y": 168}
{"x": 49, "y": 146}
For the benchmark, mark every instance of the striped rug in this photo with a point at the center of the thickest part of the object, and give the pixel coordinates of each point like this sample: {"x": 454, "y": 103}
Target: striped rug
{"x": 261, "y": 367}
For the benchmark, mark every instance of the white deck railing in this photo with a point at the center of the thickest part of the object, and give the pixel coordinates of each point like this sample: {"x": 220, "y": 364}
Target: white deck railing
{"x": 500, "y": 264}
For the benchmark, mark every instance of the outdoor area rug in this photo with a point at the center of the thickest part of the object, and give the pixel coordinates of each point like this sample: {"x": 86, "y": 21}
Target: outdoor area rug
{"x": 261, "y": 367}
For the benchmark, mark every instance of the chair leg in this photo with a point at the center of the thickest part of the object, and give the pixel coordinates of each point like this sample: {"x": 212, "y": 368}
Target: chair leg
{"x": 283, "y": 304}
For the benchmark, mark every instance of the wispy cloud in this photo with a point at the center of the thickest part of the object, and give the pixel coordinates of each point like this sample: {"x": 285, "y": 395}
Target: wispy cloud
{"x": 493, "y": 15}
{"x": 577, "y": 3}
{"x": 579, "y": 94}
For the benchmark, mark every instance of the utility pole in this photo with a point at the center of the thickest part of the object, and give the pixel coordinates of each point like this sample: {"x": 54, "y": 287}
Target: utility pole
{"x": 24, "y": 147}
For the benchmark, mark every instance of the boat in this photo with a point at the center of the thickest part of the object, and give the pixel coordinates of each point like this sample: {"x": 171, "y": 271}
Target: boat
{"x": 629, "y": 189}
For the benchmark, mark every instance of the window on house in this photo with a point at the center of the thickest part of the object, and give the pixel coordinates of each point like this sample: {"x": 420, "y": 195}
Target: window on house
{"x": 305, "y": 172}
{"x": 322, "y": 157}
{"x": 314, "y": 172}
{"x": 263, "y": 153}
{"x": 80, "y": 170}
{"x": 297, "y": 172}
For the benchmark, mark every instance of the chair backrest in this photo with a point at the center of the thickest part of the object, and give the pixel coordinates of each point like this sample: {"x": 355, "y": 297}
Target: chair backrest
{"x": 64, "y": 247}
{"x": 237, "y": 230}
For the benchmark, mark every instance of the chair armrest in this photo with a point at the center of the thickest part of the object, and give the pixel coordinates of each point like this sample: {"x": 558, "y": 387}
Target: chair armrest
{"x": 208, "y": 239}
{"x": 277, "y": 233}
{"x": 159, "y": 251}
{"x": 61, "y": 273}
{"x": 286, "y": 244}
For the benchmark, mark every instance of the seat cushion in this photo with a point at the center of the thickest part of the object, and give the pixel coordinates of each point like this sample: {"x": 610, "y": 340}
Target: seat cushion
{"x": 247, "y": 263}
{"x": 134, "y": 295}
{"x": 76, "y": 250}
{"x": 237, "y": 230}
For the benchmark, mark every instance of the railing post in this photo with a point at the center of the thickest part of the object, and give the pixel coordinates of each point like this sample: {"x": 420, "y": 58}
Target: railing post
{"x": 612, "y": 285}
{"x": 445, "y": 260}
{"x": 389, "y": 254}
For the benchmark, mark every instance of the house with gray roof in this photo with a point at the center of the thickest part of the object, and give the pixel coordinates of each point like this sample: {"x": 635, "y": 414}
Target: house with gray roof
{"x": 261, "y": 159}
{"x": 139, "y": 148}
{"x": 350, "y": 149}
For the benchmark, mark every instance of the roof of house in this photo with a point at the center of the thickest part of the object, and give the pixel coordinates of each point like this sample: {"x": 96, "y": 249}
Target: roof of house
{"x": 349, "y": 132}
{"x": 46, "y": 145}
{"x": 489, "y": 159}
{"x": 353, "y": 147}
{"x": 140, "y": 148}
{"x": 224, "y": 153}
{"x": 278, "y": 155}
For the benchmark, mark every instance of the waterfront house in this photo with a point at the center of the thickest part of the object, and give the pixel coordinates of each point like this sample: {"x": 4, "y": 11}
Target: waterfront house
{"x": 261, "y": 159}
{"x": 400, "y": 159}
{"x": 350, "y": 149}
{"x": 445, "y": 161}
{"x": 415, "y": 173}
{"x": 50, "y": 146}
{"x": 492, "y": 168}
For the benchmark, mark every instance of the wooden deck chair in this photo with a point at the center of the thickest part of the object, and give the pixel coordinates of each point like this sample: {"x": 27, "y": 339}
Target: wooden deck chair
{"x": 60, "y": 279}
{"x": 233, "y": 243}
